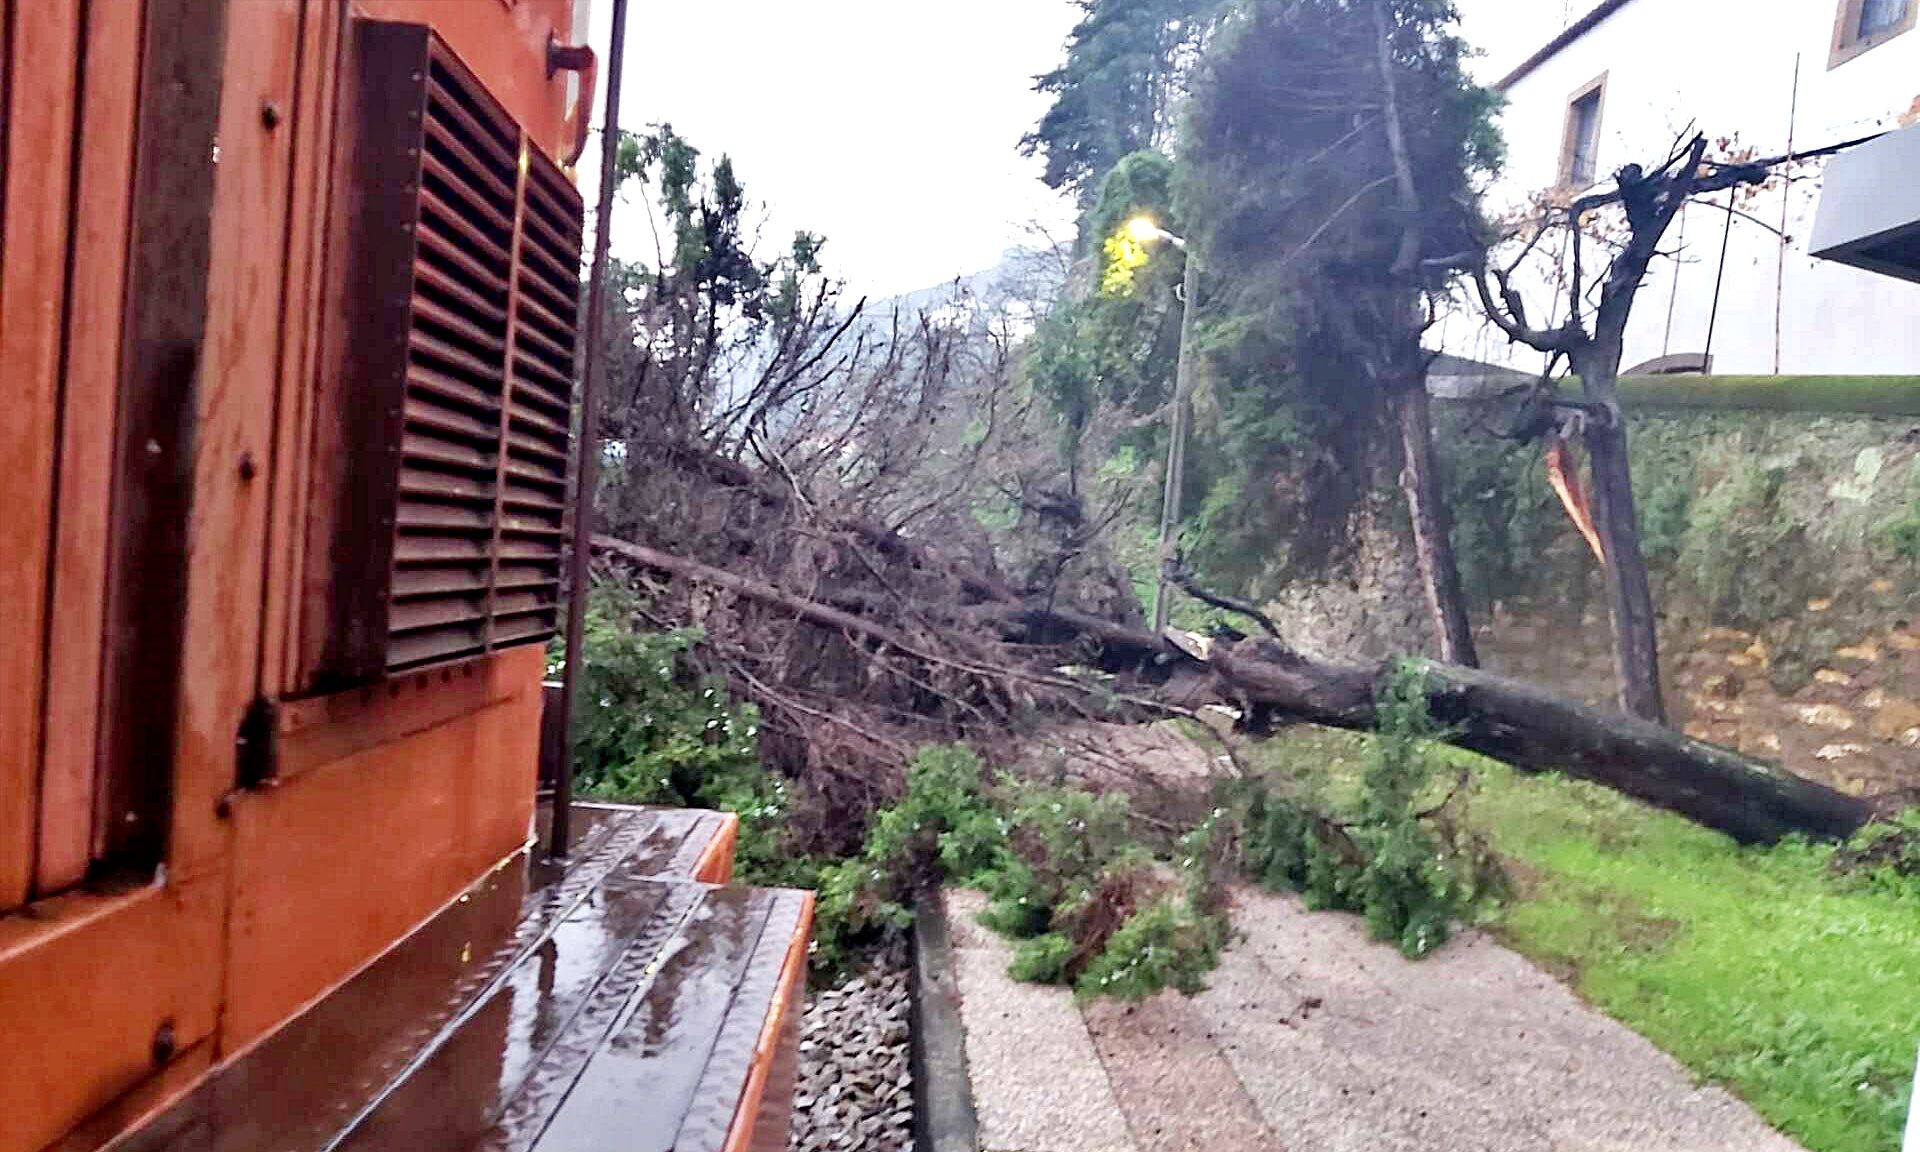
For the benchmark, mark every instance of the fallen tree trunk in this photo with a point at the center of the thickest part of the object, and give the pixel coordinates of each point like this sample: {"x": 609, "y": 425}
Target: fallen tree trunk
{"x": 1537, "y": 731}
{"x": 1514, "y": 722}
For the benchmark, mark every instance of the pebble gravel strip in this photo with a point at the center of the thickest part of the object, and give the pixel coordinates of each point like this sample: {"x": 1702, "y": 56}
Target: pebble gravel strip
{"x": 855, "y": 1091}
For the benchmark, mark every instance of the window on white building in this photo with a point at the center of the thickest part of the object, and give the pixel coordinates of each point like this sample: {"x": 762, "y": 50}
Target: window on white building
{"x": 1877, "y": 16}
{"x": 1864, "y": 24}
{"x": 1580, "y": 149}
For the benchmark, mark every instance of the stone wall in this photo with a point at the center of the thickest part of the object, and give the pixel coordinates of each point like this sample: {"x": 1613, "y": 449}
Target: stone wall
{"x": 1785, "y": 551}
{"x": 1371, "y": 606}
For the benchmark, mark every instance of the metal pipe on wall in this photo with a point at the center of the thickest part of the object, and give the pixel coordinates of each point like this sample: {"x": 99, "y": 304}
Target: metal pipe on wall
{"x": 587, "y": 472}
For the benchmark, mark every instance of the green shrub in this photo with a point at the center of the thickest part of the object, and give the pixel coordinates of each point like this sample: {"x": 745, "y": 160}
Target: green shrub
{"x": 943, "y": 827}
{"x": 1060, "y": 843}
{"x": 1042, "y": 959}
{"x": 650, "y": 728}
{"x": 1166, "y": 944}
{"x": 1383, "y": 862}
{"x": 1663, "y": 518}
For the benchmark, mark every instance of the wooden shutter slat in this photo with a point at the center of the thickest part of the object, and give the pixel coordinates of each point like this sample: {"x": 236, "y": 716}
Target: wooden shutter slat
{"x": 499, "y": 191}
{"x": 541, "y": 423}
{"x": 459, "y": 392}
{"x": 434, "y": 277}
{"x": 550, "y": 324}
{"x": 438, "y": 550}
{"x": 445, "y": 247}
{"x": 454, "y": 357}
{"x": 445, "y": 420}
{"x": 408, "y": 652}
{"x": 419, "y": 514}
{"x": 460, "y": 185}
{"x": 447, "y": 454}
{"x": 542, "y": 373}
{"x": 415, "y": 582}
{"x": 440, "y": 212}
{"x": 446, "y": 105}
{"x": 472, "y": 332}
{"x": 444, "y": 485}
{"x": 550, "y": 351}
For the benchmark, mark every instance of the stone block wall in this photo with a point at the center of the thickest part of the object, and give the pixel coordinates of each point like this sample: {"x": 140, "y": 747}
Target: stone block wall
{"x": 1784, "y": 544}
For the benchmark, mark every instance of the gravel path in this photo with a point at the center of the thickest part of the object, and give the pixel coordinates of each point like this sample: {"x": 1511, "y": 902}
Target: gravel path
{"x": 1313, "y": 1037}
{"x": 854, "y": 1091}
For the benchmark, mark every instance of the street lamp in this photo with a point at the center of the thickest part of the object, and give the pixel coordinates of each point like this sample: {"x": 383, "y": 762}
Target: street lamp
{"x": 1145, "y": 231}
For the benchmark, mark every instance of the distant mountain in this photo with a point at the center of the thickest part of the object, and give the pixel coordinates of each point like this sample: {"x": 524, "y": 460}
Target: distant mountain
{"x": 1024, "y": 280}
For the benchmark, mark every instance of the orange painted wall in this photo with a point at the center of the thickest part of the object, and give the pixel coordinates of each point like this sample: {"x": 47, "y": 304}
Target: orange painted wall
{"x": 344, "y": 858}
{"x": 386, "y": 808}
{"x": 505, "y": 43}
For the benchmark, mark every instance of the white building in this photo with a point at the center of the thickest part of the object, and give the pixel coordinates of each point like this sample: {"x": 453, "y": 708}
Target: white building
{"x": 1591, "y": 86}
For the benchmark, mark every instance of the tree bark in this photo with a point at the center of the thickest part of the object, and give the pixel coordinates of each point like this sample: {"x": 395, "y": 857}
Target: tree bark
{"x": 1426, "y": 508}
{"x": 1636, "y": 645}
{"x": 1432, "y": 531}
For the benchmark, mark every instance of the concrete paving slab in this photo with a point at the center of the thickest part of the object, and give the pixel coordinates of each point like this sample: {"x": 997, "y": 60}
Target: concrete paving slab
{"x": 1343, "y": 1043}
{"x": 1174, "y": 1085}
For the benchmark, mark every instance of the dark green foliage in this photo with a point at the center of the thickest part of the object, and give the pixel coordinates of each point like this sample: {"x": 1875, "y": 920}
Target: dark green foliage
{"x": 1113, "y": 95}
{"x": 1063, "y": 841}
{"x": 1664, "y": 512}
{"x": 1504, "y": 515}
{"x": 1065, "y": 875}
{"x": 1101, "y": 351}
{"x": 1884, "y": 856}
{"x": 1042, "y": 959}
{"x": 651, "y": 728}
{"x": 944, "y": 828}
{"x": 1900, "y": 534}
{"x": 1406, "y": 891}
{"x": 1167, "y": 944}
{"x": 1382, "y": 861}
{"x": 1309, "y": 326}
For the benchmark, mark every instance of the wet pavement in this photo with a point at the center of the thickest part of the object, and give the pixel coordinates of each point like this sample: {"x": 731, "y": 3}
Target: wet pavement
{"x": 610, "y": 1002}
{"x": 1311, "y": 1036}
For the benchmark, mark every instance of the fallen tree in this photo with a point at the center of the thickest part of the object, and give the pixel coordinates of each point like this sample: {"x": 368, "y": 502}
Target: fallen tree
{"x": 1006, "y": 646}
{"x": 814, "y": 487}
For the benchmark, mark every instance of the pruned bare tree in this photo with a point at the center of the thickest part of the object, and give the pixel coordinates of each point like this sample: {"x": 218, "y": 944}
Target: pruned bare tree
{"x": 1625, "y": 220}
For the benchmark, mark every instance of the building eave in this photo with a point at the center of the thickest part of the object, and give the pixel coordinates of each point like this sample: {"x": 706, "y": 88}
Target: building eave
{"x": 1567, "y": 36}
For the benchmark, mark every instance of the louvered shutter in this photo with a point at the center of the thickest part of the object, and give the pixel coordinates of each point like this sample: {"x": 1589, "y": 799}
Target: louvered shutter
{"x": 450, "y": 479}
{"x": 546, "y": 316}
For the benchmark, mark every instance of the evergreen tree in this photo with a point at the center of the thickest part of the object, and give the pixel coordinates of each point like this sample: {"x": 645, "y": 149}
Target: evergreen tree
{"x": 1115, "y": 93}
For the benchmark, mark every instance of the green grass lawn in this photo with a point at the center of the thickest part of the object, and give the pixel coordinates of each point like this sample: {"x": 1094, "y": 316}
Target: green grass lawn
{"x": 1758, "y": 969}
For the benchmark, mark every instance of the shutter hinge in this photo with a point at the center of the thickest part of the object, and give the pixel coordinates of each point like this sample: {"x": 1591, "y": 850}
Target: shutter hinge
{"x": 254, "y": 747}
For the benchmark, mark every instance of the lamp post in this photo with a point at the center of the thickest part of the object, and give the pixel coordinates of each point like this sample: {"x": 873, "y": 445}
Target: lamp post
{"x": 1145, "y": 231}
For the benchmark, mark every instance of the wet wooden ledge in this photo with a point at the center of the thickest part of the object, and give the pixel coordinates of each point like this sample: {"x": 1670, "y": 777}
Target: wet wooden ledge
{"x": 620, "y": 1000}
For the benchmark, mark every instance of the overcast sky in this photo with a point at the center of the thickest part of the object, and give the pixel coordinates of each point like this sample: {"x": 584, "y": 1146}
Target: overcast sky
{"x": 891, "y": 126}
